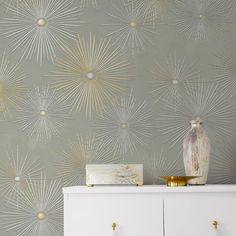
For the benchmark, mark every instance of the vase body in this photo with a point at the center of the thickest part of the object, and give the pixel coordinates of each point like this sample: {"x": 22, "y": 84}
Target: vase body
{"x": 196, "y": 153}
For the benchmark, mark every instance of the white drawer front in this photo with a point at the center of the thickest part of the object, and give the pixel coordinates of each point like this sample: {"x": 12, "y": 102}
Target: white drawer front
{"x": 194, "y": 216}
{"x": 135, "y": 215}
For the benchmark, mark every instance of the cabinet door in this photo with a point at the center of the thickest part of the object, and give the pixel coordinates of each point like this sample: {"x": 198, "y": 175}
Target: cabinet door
{"x": 94, "y": 215}
{"x": 195, "y": 217}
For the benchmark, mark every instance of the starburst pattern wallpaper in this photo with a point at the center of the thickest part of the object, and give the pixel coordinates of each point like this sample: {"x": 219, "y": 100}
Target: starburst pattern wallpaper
{"x": 108, "y": 81}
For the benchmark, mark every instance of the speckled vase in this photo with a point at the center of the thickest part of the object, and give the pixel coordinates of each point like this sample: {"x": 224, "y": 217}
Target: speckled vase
{"x": 196, "y": 153}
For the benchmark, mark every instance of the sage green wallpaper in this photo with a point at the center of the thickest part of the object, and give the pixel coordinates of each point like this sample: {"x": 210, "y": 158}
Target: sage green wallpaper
{"x": 102, "y": 81}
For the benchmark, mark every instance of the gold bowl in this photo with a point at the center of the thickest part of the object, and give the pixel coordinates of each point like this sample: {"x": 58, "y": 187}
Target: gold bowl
{"x": 175, "y": 181}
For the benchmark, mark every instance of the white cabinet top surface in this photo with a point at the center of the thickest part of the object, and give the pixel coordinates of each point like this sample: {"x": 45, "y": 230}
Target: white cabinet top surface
{"x": 151, "y": 189}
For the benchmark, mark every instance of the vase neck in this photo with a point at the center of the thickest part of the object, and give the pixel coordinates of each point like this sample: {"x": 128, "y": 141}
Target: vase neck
{"x": 196, "y": 123}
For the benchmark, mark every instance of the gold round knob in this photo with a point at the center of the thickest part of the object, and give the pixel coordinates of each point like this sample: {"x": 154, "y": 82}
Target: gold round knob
{"x": 215, "y": 224}
{"x": 114, "y": 226}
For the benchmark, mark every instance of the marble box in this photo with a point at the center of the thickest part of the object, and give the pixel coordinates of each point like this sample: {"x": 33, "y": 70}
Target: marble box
{"x": 118, "y": 174}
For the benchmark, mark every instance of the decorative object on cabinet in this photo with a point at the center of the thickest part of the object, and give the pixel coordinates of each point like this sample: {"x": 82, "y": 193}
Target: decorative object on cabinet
{"x": 114, "y": 174}
{"x": 196, "y": 152}
{"x": 176, "y": 181}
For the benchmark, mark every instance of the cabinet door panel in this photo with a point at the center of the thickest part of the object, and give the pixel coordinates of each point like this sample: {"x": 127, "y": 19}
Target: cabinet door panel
{"x": 135, "y": 215}
{"x": 194, "y": 217}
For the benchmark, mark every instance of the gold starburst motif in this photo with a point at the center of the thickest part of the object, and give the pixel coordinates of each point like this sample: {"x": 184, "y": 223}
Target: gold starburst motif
{"x": 223, "y": 165}
{"x": 206, "y": 102}
{"x": 225, "y": 72}
{"x": 39, "y": 211}
{"x": 198, "y": 19}
{"x": 170, "y": 78}
{"x": 40, "y": 28}
{"x": 130, "y": 27}
{"x": 11, "y": 87}
{"x": 91, "y": 75}
{"x": 125, "y": 127}
{"x": 85, "y": 150}
{"x": 43, "y": 114}
{"x": 15, "y": 170}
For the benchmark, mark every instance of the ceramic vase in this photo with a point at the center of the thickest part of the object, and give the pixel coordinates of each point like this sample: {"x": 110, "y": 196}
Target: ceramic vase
{"x": 196, "y": 153}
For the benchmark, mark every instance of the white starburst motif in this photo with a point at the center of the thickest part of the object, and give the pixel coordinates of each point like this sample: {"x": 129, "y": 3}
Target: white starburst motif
{"x": 125, "y": 127}
{"x": 11, "y": 87}
{"x": 198, "y": 19}
{"x": 225, "y": 72}
{"x": 39, "y": 211}
{"x": 205, "y": 102}
{"x": 159, "y": 164}
{"x": 40, "y": 28}
{"x": 42, "y": 114}
{"x": 170, "y": 78}
{"x": 86, "y": 150}
{"x": 15, "y": 170}
{"x": 91, "y": 75}
{"x": 223, "y": 165}
{"x": 130, "y": 27}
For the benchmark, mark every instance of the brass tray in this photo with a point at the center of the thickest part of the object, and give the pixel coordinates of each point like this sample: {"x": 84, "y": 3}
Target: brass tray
{"x": 175, "y": 181}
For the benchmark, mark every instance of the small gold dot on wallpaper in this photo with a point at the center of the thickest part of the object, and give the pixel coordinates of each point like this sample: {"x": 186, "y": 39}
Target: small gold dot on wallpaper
{"x": 108, "y": 81}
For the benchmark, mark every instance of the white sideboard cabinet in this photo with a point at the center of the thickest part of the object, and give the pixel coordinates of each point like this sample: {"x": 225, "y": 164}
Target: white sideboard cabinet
{"x": 150, "y": 211}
